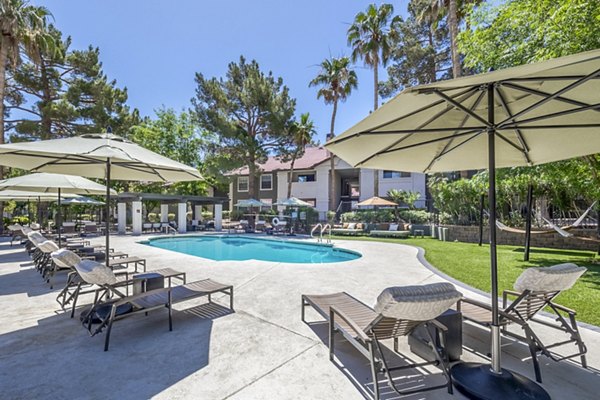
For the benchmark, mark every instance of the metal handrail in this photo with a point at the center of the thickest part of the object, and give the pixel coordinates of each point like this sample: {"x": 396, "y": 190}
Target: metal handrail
{"x": 312, "y": 231}
{"x": 324, "y": 228}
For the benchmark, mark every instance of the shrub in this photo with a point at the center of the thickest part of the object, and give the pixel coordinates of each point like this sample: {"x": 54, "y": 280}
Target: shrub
{"x": 171, "y": 216}
{"x": 209, "y": 215}
{"x": 153, "y": 217}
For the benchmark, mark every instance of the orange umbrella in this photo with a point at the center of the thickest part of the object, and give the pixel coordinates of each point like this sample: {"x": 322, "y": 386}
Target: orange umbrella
{"x": 376, "y": 201}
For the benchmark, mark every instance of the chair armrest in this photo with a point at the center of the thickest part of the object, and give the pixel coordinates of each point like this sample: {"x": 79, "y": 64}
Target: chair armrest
{"x": 507, "y": 293}
{"x": 475, "y": 303}
{"x": 563, "y": 308}
{"x": 333, "y": 311}
{"x": 130, "y": 299}
{"x": 438, "y": 325}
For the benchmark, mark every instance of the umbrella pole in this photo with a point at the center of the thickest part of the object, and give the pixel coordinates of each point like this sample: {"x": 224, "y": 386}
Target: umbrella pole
{"x": 58, "y": 220}
{"x": 528, "y": 222}
{"x": 481, "y": 204}
{"x": 107, "y": 208}
{"x": 480, "y": 381}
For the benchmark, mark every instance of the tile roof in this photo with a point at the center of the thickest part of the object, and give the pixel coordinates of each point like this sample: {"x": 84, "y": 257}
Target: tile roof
{"x": 312, "y": 157}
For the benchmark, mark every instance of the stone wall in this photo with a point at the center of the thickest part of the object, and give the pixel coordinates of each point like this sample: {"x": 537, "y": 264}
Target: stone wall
{"x": 470, "y": 234}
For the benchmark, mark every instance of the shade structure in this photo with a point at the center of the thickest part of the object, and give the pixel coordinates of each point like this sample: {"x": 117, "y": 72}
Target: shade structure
{"x": 376, "y": 202}
{"x": 293, "y": 202}
{"x": 101, "y": 155}
{"x": 251, "y": 203}
{"x": 83, "y": 201}
{"x": 526, "y": 115}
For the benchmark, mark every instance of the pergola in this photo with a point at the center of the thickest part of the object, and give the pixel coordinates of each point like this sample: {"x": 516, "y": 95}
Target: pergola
{"x": 182, "y": 201}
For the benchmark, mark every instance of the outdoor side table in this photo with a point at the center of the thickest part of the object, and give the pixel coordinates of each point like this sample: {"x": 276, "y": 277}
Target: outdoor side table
{"x": 418, "y": 340}
{"x": 146, "y": 282}
{"x": 125, "y": 261}
{"x": 169, "y": 273}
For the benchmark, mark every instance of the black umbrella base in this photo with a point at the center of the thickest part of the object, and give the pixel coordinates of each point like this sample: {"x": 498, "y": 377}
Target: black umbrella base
{"x": 477, "y": 381}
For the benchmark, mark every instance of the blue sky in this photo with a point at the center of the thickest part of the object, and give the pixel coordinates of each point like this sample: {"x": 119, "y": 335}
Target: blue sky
{"x": 154, "y": 48}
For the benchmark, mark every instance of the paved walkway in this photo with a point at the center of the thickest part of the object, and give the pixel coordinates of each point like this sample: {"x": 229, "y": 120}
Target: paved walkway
{"x": 262, "y": 351}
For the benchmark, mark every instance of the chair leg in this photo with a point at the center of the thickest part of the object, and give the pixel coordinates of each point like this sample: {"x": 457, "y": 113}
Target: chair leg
{"x": 373, "y": 370}
{"x": 169, "y": 306}
{"x": 331, "y": 335}
{"x": 109, "y": 327}
{"x": 533, "y": 350}
{"x": 442, "y": 359}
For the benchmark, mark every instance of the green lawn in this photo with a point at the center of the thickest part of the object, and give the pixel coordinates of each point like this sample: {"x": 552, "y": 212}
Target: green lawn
{"x": 470, "y": 264}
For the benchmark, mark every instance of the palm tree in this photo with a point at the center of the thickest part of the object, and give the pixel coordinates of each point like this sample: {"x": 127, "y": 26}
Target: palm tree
{"x": 337, "y": 79}
{"x": 302, "y": 132}
{"x": 23, "y": 28}
{"x": 371, "y": 37}
{"x": 455, "y": 10}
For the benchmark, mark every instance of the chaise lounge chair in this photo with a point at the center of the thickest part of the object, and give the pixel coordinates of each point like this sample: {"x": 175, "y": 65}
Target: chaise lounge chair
{"x": 393, "y": 230}
{"x": 398, "y": 311}
{"x": 535, "y": 289}
{"x": 105, "y": 313}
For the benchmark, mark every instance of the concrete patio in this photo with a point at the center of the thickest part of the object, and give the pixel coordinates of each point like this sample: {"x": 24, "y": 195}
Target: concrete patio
{"x": 261, "y": 351}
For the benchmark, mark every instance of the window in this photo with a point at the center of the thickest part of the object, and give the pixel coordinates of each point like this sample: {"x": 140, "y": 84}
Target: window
{"x": 266, "y": 182}
{"x": 306, "y": 177}
{"x": 395, "y": 174}
{"x": 242, "y": 183}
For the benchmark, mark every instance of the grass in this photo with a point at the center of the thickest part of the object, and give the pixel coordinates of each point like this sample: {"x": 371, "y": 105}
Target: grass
{"x": 469, "y": 263}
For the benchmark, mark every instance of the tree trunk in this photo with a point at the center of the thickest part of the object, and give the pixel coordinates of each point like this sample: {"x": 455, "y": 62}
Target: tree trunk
{"x": 291, "y": 175}
{"x": 433, "y": 66}
{"x": 3, "y": 62}
{"x": 46, "y": 121}
{"x": 453, "y": 24}
{"x": 252, "y": 177}
{"x": 376, "y": 78}
{"x": 332, "y": 205}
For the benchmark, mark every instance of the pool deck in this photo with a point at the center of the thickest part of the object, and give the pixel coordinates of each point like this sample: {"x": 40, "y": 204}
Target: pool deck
{"x": 261, "y": 351}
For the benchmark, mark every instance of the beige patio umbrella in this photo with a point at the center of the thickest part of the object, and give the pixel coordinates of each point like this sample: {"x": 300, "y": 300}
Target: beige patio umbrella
{"x": 101, "y": 155}
{"x": 45, "y": 183}
{"x": 527, "y": 115}
{"x": 28, "y": 197}
{"x": 376, "y": 202}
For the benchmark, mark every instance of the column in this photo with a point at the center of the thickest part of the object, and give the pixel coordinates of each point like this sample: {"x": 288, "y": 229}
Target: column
{"x": 122, "y": 217}
{"x": 198, "y": 212}
{"x": 218, "y": 217}
{"x": 181, "y": 217}
{"x": 164, "y": 213}
{"x": 136, "y": 217}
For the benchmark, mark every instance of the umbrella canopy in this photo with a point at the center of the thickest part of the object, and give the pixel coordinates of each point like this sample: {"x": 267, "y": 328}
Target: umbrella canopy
{"x": 53, "y": 183}
{"x": 251, "y": 203}
{"x": 543, "y": 112}
{"x": 22, "y": 195}
{"x": 293, "y": 202}
{"x": 526, "y": 115}
{"x": 87, "y": 155}
{"x": 82, "y": 200}
{"x": 376, "y": 201}
{"x": 101, "y": 155}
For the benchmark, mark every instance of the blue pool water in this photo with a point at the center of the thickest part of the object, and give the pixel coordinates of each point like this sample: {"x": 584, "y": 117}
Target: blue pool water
{"x": 238, "y": 248}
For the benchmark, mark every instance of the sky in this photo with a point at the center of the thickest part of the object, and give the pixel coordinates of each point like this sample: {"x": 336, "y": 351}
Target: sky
{"x": 154, "y": 48}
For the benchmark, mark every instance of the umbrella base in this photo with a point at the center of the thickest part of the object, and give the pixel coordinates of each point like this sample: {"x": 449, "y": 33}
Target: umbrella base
{"x": 477, "y": 381}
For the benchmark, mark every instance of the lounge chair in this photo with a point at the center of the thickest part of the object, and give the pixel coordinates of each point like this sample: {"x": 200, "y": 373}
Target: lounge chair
{"x": 91, "y": 229}
{"x": 349, "y": 229}
{"x": 398, "y": 311}
{"x": 393, "y": 230}
{"x": 105, "y": 313}
{"x": 535, "y": 289}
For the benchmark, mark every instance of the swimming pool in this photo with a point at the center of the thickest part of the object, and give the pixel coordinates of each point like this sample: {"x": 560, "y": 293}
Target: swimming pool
{"x": 238, "y": 248}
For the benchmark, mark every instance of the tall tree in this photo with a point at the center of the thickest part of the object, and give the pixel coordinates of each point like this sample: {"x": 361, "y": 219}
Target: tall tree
{"x": 67, "y": 94}
{"x": 248, "y": 110}
{"x": 23, "y": 28}
{"x": 336, "y": 80}
{"x": 421, "y": 51}
{"x": 371, "y": 37}
{"x": 301, "y": 133}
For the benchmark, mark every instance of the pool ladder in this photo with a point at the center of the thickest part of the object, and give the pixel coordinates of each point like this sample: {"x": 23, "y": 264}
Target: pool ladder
{"x": 323, "y": 228}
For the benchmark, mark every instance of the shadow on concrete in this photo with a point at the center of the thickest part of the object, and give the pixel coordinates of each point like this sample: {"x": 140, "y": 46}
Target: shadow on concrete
{"x": 357, "y": 368}
{"x": 58, "y": 356}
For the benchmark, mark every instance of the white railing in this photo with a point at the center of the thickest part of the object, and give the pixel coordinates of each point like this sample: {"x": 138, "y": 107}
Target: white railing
{"x": 322, "y": 228}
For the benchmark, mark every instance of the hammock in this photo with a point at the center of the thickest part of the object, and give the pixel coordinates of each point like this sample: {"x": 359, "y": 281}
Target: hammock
{"x": 564, "y": 233}
{"x": 555, "y": 229}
